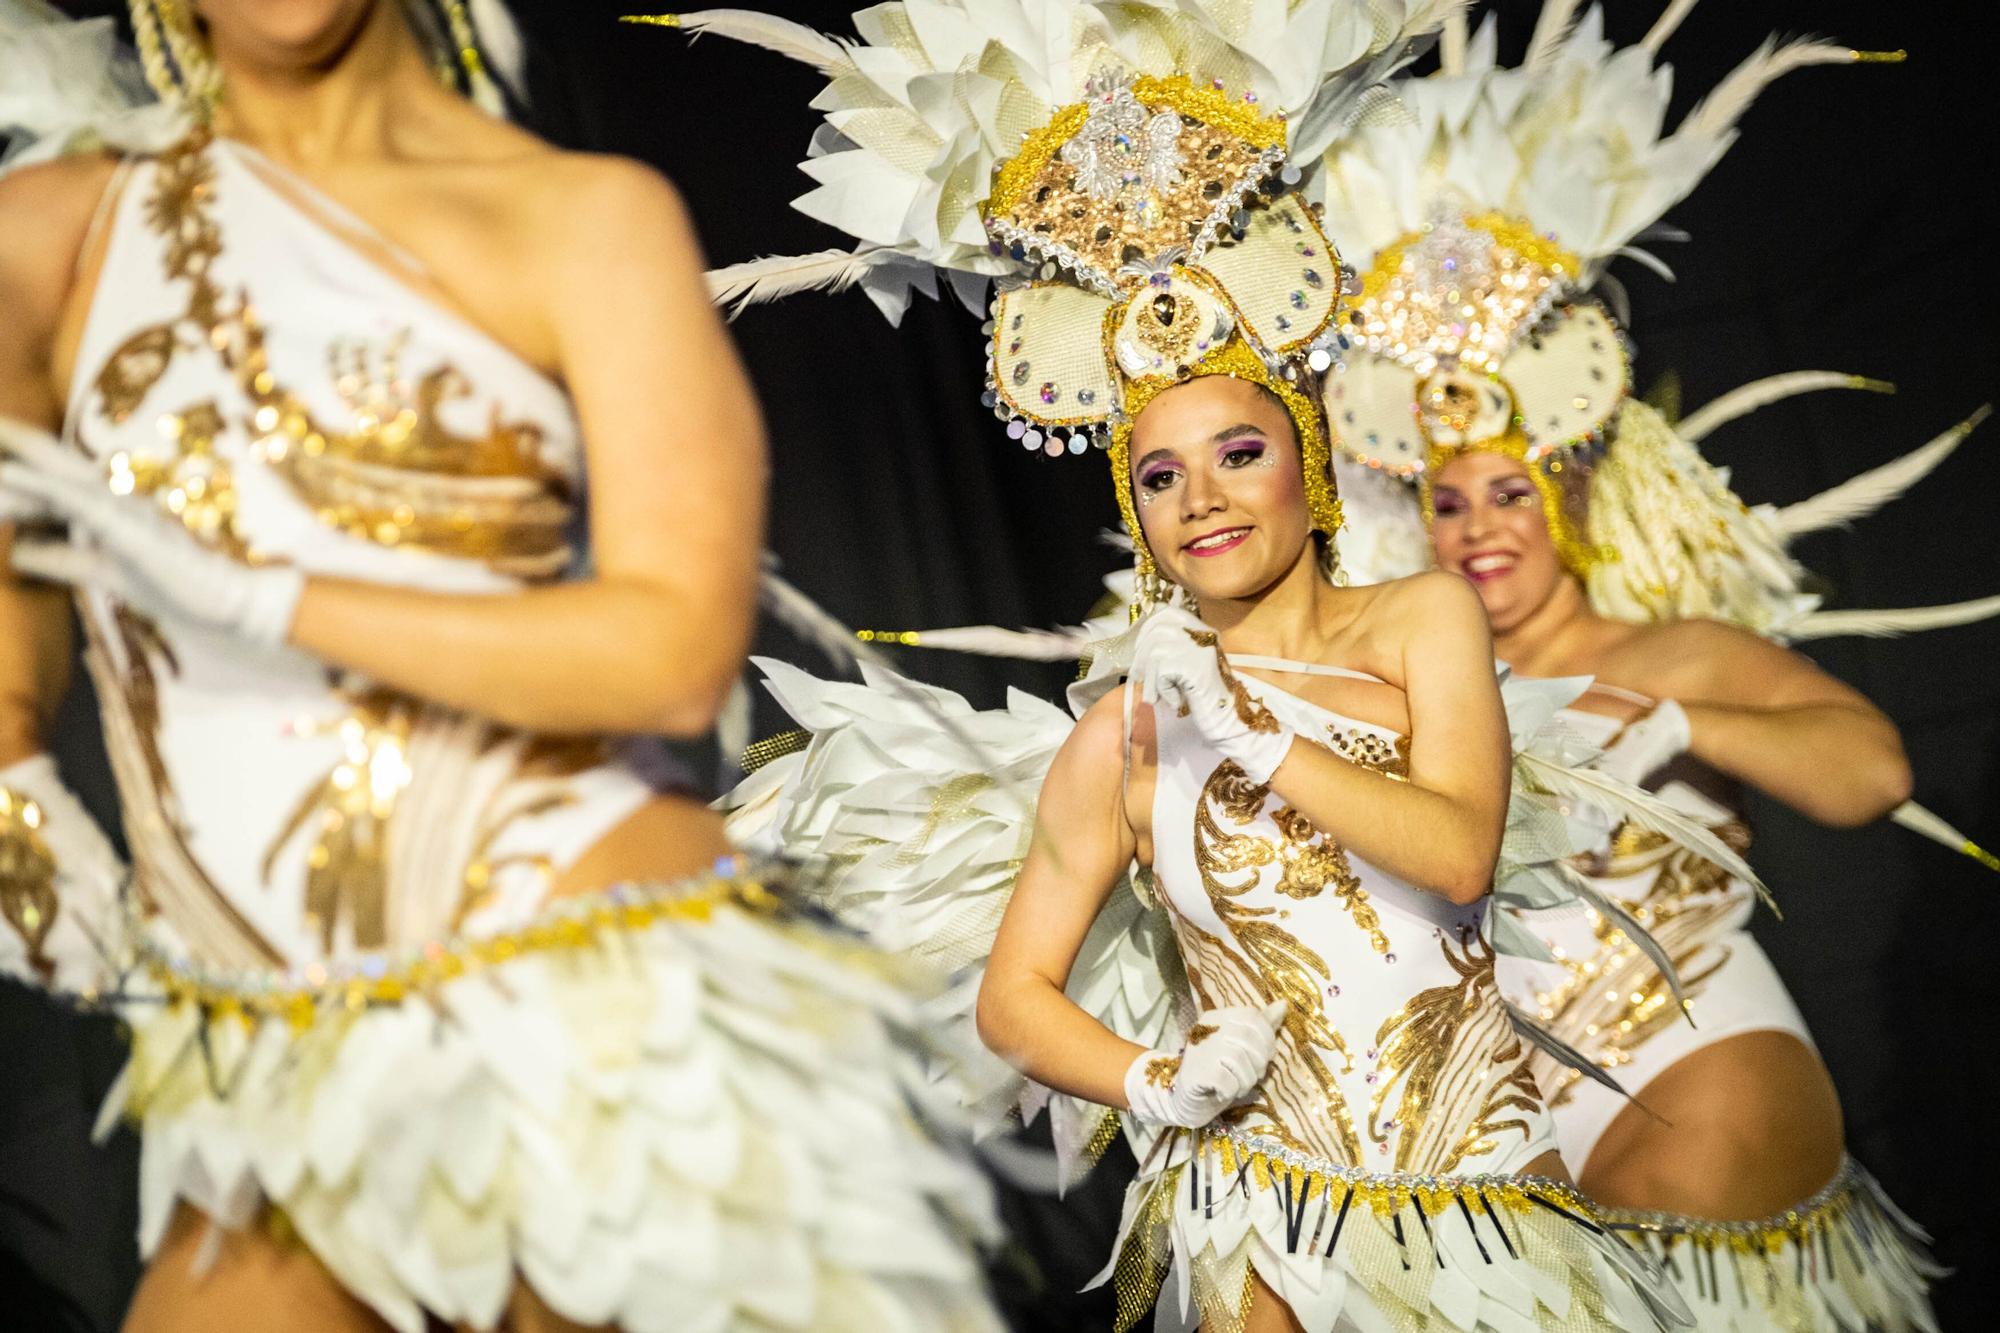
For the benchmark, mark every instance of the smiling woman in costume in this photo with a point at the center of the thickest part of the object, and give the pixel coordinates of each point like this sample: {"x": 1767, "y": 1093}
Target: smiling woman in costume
{"x": 1487, "y": 370}
{"x": 1290, "y": 1007}
{"x": 448, "y": 1001}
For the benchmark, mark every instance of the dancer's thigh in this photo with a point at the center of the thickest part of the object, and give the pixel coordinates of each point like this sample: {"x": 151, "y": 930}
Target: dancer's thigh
{"x": 1738, "y": 1130}
{"x": 254, "y": 1281}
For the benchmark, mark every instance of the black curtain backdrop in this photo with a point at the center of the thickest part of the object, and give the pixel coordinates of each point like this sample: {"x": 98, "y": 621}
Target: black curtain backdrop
{"x": 1846, "y": 231}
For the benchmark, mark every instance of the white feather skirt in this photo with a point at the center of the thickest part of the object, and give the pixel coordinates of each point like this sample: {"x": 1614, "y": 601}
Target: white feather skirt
{"x": 667, "y": 1110}
{"x": 1846, "y": 1260}
{"x": 1352, "y": 1251}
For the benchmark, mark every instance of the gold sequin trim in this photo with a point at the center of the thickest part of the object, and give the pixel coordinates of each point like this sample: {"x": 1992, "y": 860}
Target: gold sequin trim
{"x": 28, "y": 896}
{"x": 301, "y": 999}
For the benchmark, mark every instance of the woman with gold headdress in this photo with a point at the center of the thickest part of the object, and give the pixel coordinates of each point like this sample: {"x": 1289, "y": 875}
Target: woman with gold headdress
{"x": 1602, "y": 545}
{"x": 448, "y": 1001}
{"x": 1242, "y": 920}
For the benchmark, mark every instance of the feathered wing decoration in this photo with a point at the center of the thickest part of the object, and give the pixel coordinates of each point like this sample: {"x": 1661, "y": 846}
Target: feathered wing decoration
{"x": 919, "y": 846}
{"x": 1860, "y": 496}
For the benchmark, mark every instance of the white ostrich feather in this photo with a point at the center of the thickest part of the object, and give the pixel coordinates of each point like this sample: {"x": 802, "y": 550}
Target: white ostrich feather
{"x": 1741, "y": 401}
{"x": 1641, "y": 808}
{"x": 1574, "y": 138}
{"x": 1863, "y": 495}
{"x": 1667, "y": 24}
{"x": 1890, "y": 624}
{"x": 1716, "y": 115}
{"x": 758, "y": 280}
{"x": 806, "y": 45}
{"x": 1063, "y": 644}
{"x": 1552, "y": 28}
{"x": 810, "y": 621}
{"x": 1927, "y": 824}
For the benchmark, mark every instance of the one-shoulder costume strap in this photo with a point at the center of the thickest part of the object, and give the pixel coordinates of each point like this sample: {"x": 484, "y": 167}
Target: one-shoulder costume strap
{"x": 1258, "y": 662}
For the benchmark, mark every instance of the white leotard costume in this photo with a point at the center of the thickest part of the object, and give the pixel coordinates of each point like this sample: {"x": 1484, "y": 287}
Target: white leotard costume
{"x": 1844, "y": 1259}
{"x": 1372, "y": 1180}
{"x": 665, "y": 1106}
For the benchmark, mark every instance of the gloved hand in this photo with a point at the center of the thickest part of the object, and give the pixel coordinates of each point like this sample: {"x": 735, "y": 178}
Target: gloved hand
{"x": 127, "y": 546}
{"x": 1648, "y": 744}
{"x": 62, "y": 878}
{"x": 1178, "y": 662}
{"x": 1224, "y": 1057}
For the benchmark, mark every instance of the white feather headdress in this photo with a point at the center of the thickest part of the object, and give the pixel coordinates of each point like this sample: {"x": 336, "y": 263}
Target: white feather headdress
{"x": 936, "y": 94}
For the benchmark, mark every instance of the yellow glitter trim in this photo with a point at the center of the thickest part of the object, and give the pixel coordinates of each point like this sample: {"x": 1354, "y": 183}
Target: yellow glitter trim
{"x": 302, "y": 1006}
{"x": 1236, "y": 360}
{"x": 1880, "y": 57}
{"x": 1177, "y": 92}
{"x": 1981, "y": 855}
{"x": 656, "y": 20}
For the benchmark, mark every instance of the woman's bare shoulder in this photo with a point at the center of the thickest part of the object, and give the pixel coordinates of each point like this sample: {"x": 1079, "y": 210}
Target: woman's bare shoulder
{"x": 45, "y": 214}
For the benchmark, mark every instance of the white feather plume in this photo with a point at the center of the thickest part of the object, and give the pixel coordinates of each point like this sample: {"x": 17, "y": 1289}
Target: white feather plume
{"x": 1716, "y": 115}
{"x": 758, "y": 280}
{"x": 1863, "y": 495}
{"x": 806, "y": 45}
{"x": 1927, "y": 824}
{"x": 1748, "y": 398}
{"x": 1641, "y": 808}
{"x": 810, "y": 621}
{"x": 1063, "y": 644}
{"x": 1666, "y": 25}
{"x": 1552, "y": 29}
{"x": 1892, "y": 623}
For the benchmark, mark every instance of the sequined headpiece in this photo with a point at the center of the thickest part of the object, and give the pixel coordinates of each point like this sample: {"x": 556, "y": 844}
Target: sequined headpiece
{"x": 1488, "y": 205}
{"x": 1169, "y": 247}
{"x": 1469, "y": 337}
{"x": 1123, "y": 172}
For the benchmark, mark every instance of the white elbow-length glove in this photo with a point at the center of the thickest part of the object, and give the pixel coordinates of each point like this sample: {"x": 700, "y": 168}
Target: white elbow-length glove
{"x": 127, "y": 546}
{"x": 1224, "y": 1058}
{"x": 59, "y": 882}
{"x": 1178, "y": 664}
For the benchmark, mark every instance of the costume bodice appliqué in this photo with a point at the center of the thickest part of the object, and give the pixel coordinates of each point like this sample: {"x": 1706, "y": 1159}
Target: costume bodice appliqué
{"x": 290, "y": 400}
{"x": 1397, "y": 1054}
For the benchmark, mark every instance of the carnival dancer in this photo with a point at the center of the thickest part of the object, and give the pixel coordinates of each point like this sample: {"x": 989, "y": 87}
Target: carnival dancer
{"x": 1292, "y": 1000}
{"x": 1486, "y": 372}
{"x": 448, "y": 1000}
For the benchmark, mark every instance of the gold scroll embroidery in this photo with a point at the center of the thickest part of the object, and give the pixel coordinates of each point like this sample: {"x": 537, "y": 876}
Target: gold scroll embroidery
{"x": 1454, "y": 1069}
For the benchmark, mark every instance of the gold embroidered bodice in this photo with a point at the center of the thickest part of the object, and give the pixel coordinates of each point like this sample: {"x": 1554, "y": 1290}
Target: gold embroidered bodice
{"x": 254, "y": 370}
{"x": 1397, "y": 1054}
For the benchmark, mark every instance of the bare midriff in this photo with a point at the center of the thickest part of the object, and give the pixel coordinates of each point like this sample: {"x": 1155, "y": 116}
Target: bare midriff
{"x": 669, "y": 837}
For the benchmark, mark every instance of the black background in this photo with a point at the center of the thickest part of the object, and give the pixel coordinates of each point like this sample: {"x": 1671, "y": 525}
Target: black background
{"x": 1850, "y": 229}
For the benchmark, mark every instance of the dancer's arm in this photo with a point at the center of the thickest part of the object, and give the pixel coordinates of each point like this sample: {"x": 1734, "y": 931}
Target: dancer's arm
{"x": 1441, "y": 829}
{"x": 1083, "y": 843}
{"x": 45, "y": 215}
{"x": 654, "y": 639}
{"x": 1769, "y": 718}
